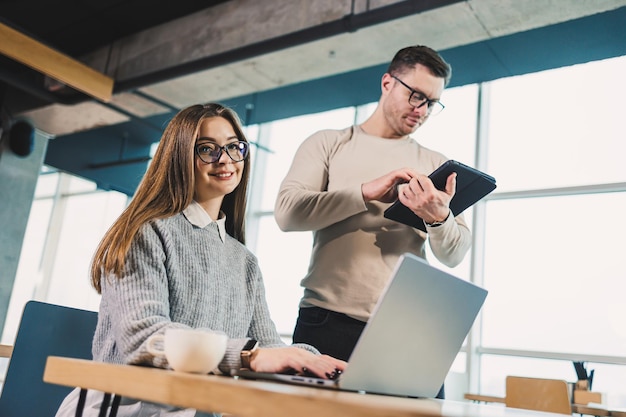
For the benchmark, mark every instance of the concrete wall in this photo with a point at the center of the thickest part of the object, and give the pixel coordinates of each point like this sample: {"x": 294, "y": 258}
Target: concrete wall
{"x": 18, "y": 179}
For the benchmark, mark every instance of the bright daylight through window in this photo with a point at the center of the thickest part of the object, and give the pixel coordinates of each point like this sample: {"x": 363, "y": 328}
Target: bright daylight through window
{"x": 548, "y": 242}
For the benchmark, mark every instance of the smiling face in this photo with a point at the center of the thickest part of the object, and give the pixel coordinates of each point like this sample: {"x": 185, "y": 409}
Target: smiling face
{"x": 215, "y": 180}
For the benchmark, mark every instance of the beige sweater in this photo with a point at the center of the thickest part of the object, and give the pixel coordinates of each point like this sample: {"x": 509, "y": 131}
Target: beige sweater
{"x": 354, "y": 247}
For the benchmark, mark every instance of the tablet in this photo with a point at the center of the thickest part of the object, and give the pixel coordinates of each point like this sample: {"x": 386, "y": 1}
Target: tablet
{"x": 471, "y": 186}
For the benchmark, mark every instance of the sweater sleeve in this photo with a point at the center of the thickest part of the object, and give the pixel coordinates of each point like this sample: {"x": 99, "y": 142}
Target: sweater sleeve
{"x": 304, "y": 201}
{"x": 450, "y": 241}
{"x": 262, "y": 328}
{"x": 138, "y": 302}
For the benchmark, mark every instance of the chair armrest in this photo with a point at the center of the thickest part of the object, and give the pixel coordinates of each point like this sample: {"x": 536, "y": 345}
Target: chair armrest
{"x": 6, "y": 351}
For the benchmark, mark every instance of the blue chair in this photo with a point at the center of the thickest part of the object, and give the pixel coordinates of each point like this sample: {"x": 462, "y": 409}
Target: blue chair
{"x": 45, "y": 330}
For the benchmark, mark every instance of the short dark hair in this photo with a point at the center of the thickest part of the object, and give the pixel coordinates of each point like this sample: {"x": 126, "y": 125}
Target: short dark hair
{"x": 409, "y": 57}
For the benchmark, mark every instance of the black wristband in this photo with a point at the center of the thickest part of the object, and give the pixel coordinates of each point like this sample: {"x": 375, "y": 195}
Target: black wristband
{"x": 436, "y": 224}
{"x": 246, "y": 353}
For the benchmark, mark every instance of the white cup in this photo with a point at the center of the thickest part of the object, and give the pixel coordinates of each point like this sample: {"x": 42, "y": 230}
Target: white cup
{"x": 189, "y": 350}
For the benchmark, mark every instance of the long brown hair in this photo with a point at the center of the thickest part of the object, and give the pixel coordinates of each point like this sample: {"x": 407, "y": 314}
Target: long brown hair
{"x": 167, "y": 188}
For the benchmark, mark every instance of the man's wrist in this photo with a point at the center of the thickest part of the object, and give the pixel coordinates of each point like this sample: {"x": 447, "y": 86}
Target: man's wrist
{"x": 438, "y": 223}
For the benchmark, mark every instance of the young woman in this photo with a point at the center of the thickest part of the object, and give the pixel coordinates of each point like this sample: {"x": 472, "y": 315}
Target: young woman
{"x": 176, "y": 258}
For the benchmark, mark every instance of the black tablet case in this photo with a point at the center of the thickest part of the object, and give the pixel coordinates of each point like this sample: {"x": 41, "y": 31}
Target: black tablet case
{"x": 471, "y": 186}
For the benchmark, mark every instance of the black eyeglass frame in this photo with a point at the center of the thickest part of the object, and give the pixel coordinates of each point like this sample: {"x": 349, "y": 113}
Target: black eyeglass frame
{"x": 241, "y": 147}
{"x": 424, "y": 100}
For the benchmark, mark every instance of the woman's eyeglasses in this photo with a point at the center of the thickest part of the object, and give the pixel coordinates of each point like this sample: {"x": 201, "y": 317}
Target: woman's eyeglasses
{"x": 210, "y": 152}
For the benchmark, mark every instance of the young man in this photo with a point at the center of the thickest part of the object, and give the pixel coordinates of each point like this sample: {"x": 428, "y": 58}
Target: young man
{"x": 338, "y": 186}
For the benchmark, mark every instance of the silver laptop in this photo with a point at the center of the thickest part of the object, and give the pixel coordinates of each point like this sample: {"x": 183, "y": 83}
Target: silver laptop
{"x": 412, "y": 337}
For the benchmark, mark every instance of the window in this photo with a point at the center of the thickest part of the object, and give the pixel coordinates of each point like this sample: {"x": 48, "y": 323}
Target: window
{"x": 555, "y": 277}
{"x": 548, "y": 248}
{"x": 67, "y": 220}
{"x": 284, "y": 257}
{"x": 559, "y": 128}
{"x": 553, "y": 270}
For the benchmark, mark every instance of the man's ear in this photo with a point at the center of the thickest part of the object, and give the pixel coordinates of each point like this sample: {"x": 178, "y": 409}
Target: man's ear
{"x": 386, "y": 83}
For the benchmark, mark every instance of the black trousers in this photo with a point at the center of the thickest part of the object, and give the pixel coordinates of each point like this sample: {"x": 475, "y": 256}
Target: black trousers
{"x": 332, "y": 333}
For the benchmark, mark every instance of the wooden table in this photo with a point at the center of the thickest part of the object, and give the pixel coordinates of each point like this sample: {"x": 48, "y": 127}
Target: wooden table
{"x": 576, "y": 408}
{"x": 245, "y": 398}
{"x": 592, "y": 411}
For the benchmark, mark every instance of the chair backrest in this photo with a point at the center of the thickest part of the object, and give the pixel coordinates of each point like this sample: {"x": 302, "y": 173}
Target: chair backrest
{"x": 538, "y": 394}
{"x": 45, "y": 329}
{"x": 5, "y": 351}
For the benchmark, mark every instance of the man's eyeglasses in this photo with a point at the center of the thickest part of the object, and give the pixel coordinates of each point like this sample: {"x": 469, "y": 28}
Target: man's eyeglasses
{"x": 210, "y": 152}
{"x": 417, "y": 99}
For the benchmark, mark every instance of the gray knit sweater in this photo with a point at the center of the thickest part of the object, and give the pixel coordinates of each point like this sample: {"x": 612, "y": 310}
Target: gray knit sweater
{"x": 181, "y": 275}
